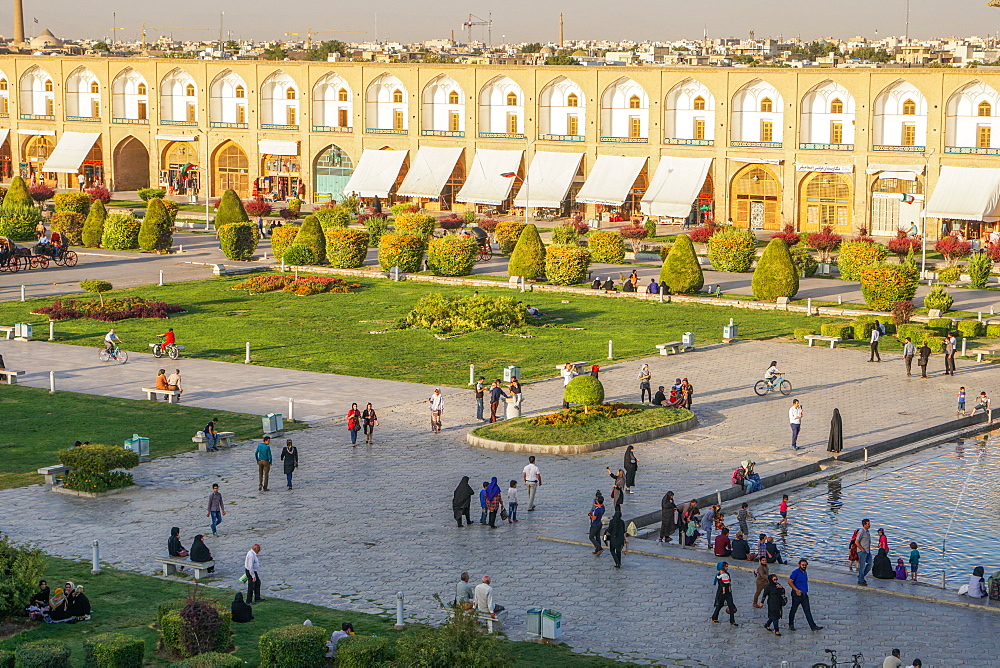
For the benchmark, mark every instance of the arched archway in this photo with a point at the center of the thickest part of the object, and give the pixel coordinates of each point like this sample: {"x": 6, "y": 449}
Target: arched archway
{"x": 755, "y": 198}
{"x": 230, "y": 170}
{"x": 34, "y": 153}
{"x": 825, "y": 200}
{"x": 332, "y": 170}
{"x": 131, "y": 165}
{"x": 181, "y": 165}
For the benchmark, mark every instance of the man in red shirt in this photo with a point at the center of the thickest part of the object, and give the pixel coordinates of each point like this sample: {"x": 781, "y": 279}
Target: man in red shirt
{"x": 168, "y": 338}
{"x": 723, "y": 546}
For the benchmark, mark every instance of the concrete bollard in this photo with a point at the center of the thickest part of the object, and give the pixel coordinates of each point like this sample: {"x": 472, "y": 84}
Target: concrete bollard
{"x": 980, "y": 314}
{"x": 282, "y": 264}
{"x": 866, "y": 455}
{"x": 180, "y": 248}
{"x": 400, "y": 624}
{"x": 963, "y": 346}
{"x": 291, "y": 409}
{"x": 95, "y": 566}
{"x": 247, "y": 360}
{"x": 472, "y": 374}
{"x": 611, "y": 349}
{"x": 161, "y": 277}
{"x": 52, "y": 382}
{"x": 22, "y": 293}
{"x": 52, "y": 330}
{"x": 718, "y": 497}
{"x": 840, "y": 299}
{"x": 809, "y": 306}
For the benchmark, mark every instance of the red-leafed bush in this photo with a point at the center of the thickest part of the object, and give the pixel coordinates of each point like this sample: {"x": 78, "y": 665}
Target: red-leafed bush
{"x": 825, "y": 241}
{"x": 993, "y": 250}
{"x": 112, "y": 310}
{"x": 952, "y": 249}
{"x": 489, "y": 225}
{"x": 701, "y": 235}
{"x": 257, "y": 207}
{"x": 863, "y": 236}
{"x": 41, "y": 193}
{"x": 902, "y": 245}
{"x": 635, "y": 234}
{"x": 581, "y": 227}
{"x": 788, "y": 235}
{"x": 452, "y": 222}
{"x": 99, "y": 193}
{"x": 288, "y": 214}
{"x": 363, "y": 218}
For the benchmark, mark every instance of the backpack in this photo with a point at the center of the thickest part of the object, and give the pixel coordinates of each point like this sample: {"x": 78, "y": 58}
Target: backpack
{"x": 881, "y": 329}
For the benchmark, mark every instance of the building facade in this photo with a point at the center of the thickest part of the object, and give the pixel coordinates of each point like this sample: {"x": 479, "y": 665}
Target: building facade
{"x": 845, "y": 148}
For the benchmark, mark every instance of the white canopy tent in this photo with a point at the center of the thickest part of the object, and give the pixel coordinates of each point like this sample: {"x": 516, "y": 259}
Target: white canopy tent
{"x": 966, "y": 193}
{"x": 675, "y": 186}
{"x": 70, "y": 152}
{"x": 610, "y": 180}
{"x": 484, "y": 184}
{"x": 430, "y": 171}
{"x": 278, "y": 147}
{"x": 549, "y": 179}
{"x": 376, "y": 173}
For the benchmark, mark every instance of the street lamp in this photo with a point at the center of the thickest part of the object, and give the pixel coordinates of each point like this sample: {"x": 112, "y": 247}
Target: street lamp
{"x": 205, "y": 177}
{"x": 923, "y": 216}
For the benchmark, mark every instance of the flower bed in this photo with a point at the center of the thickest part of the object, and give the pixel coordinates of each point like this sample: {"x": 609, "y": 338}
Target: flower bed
{"x": 112, "y": 310}
{"x": 303, "y": 286}
{"x": 576, "y": 415}
{"x": 94, "y": 483}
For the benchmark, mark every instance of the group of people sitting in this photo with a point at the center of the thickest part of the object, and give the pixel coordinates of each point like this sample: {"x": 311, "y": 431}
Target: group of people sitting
{"x": 739, "y": 548}
{"x": 169, "y": 383}
{"x": 199, "y": 552}
{"x": 66, "y": 604}
{"x": 479, "y": 597}
{"x": 680, "y": 395}
{"x": 630, "y": 284}
{"x": 747, "y": 478}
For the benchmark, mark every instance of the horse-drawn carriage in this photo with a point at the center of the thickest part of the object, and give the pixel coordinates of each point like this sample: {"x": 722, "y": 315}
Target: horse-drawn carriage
{"x": 15, "y": 258}
{"x": 57, "y": 249}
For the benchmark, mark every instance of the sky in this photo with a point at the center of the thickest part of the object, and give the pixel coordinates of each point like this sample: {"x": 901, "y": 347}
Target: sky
{"x": 516, "y": 20}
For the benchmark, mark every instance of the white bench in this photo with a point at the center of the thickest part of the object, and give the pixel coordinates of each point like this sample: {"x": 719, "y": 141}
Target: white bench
{"x": 667, "y": 348}
{"x": 224, "y": 440}
{"x": 171, "y": 564}
{"x": 981, "y": 352}
{"x": 577, "y": 366}
{"x": 171, "y": 395}
{"x": 8, "y": 332}
{"x": 811, "y": 338}
{"x": 9, "y": 376}
{"x": 492, "y": 623}
{"x": 53, "y": 472}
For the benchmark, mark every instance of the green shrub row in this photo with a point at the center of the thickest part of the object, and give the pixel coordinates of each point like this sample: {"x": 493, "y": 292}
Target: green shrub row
{"x": 566, "y": 265}
{"x": 401, "y": 250}
{"x": 453, "y": 255}
{"x": 114, "y": 650}
{"x": 606, "y": 247}
{"x": 295, "y": 646}
{"x": 732, "y": 249}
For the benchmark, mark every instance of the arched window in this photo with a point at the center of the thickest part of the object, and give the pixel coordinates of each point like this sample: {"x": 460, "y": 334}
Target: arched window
{"x": 766, "y": 106}
{"x": 909, "y": 108}
{"x": 48, "y": 85}
{"x": 699, "y": 103}
{"x": 634, "y": 102}
{"x": 95, "y": 87}
{"x": 572, "y": 100}
{"x": 511, "y": 99}
{"x": 397, "y": 96}
{"x": 985, "y": 108}
{"x": 837, "y": 106}
{"x": 290, "y": 93}
{"x": 189, "y": 90}
{"x": 141, "y": 89}
{"x": 453, "y": 97}
{"x": 342, "y": 95}
{"x": 3, "y": 84}
{"x": 241, "y": 92}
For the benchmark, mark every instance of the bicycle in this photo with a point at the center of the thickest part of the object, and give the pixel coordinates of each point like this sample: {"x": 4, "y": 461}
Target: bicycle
{"x": 763, "y": 386}
{"x": 172, "y": 350}
{"x": 116, "y": 354}
{"x": 854, "y": 663}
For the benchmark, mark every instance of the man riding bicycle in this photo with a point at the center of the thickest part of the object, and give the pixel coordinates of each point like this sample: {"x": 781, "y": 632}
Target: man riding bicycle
{"x": 168, "y": 337}
{"x": 772, "y": 374}
{"x": 109, "y": 341}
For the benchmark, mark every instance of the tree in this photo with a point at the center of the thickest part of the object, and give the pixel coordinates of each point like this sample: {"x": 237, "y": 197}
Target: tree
{"x": 157, "y": 231}
{"x": 275, "y": 52}
{"x": 93, "y": 227}
{"x": 871, "y": 54}
{"x": 101, "y": 46}
{"x": 681, "y": 271}
{"x": 528, "y": 257}
{"x": 561, "y": 60}
{"x": 324, "y": 49}
{"x": 21, "y": 566}
{"x": 96, "y": 288}
{"x": 230, "y": 210}
{"x": 17, "y": 198}
{"x": 311, "y": 235}
{"x": 533, "y": 47}
{"x": 775, "y": 275}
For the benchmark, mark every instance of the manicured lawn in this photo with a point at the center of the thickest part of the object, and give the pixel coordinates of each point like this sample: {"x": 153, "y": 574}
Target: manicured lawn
{"x": 126, "y": 603}
{"x": 36, "y": 425}
{"x": 332, "y": 333}
{"x": 520, "y": 430}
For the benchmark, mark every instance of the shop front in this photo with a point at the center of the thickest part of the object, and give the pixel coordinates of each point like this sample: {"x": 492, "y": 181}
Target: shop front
{"x": 6, "y": 166}
{"x": 825, "y": 198}
{"x": 678, "y": 189}
{"x": 966, "y": 201}
{"x": 34, "y": 153}
{"x": 331, "y": 172}
{"x": 231, "y": 170}
{"x": 755, "y": 198}
{"x": 76, "y": 154}
{"x": 616, "y": 186}
{"x": 280, "y": 171}
{"x": 897, "y": 198}
{"x": 179, "y": 172}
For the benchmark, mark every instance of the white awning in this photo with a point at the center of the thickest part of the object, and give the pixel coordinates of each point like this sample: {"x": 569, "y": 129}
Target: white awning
{"x": 70, "y": 152}
{"x": 429, "y": 172}
{"x": 756, "y": 161}
{"x": 3, "y": 136}
{"x": 549, "y": 178}
{"x": 675, "y": 186}
{"x": 278, "y": 147}
{"x": 966, "y": 193}
{"x": 37, "y": 133}
{"x": 875, "y": 168}
{"x": 376, "y": 173}
{"x": 177, "y": 137}
{"x": 610, "y": 180}
{"x": 484, "y": 184}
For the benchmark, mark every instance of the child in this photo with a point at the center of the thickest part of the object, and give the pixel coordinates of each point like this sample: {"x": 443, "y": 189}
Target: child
{"x": 783, "y": 509}
{"x": 900, "y": 570}
{"x": 961, "y": 402}
{"x": 762, "y": 546}
{"x": 914, "y": 561}
{"x": 741, "y": 516}
{"x": 512, "y": 502}
{"x": 883, "y": 540}
{"x": 482, "y": 502}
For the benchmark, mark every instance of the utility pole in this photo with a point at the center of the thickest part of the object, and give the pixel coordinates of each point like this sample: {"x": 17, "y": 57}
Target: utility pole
{"x": 907, "y": 22}
{"x": 561, "y": 43}
{"x": 222, "y": 44}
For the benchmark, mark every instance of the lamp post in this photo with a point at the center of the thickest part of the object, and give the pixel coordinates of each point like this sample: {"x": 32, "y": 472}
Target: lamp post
{"x": 205, "y": 177}
{"x": 923, "y": 216}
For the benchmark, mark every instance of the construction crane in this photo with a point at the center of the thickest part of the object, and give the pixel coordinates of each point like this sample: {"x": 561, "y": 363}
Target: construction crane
{"x": 309, "y": 32}
{"x": 480, "y": 22}
{"x": 146, "y": 26}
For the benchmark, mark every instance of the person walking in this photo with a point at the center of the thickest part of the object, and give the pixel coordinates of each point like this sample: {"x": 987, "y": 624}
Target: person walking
{"x": 774, "y": 597}
{"x": 618, "y": 491}
{"x": 461, "y": 501}
{"x": 799, "y": 582}
{"x": 369, "y": 420}
{"x": 875, "y": 357}
{"x": 263, "y": 457}
{"x": 668, "y": 518}
{"x": 532, "y": 480}
{"x": 950, "y": 346}
{"x": 493, "y": 501}
{"x": 616, "y": 537}
{"x": 512, "y": 502}
{"x": 216, "y": 508}
{"x": 289, "y": 460}
{"x": 596, "y": 514}
{"x": 763, "y": 578}
{"x": 631, "y": 466}
{"x": 482, "y": 503}
{"x": 644, "y": 384}
{"x": 742, "y": 515}
{"x": 495, "y": 393}
{"x": 480, "y": 392}
{"x": 795, "y": 421}
{"x": 909, "y": 351}
{"x": 354, "y": 423}
{"x": 724, "y": 594}
{"x": 863, "y": 542}
{"x": 923, "y": 357}
{"x": 251, "y": 570}
{"x": 437, "y": 409}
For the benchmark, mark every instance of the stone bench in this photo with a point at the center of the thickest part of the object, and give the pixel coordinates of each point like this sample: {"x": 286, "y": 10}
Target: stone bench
{"x": 812, "y": 338}
{"x": 491, "y": 623}
{"x": 980, "y": 352}
{"x": 52, "y": 473}
{"x": 172, "y": 395}
{"x": 577, "y": 366}
{"x": 9, "y": 376}
{"x": 672, "y": 347}
{"x": 225, "y": 440}
{"x": 171, "y": 564}
{"x": 8, "y": 332}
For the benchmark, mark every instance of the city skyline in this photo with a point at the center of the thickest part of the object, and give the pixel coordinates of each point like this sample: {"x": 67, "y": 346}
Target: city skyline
{"x": 402, "y": 22}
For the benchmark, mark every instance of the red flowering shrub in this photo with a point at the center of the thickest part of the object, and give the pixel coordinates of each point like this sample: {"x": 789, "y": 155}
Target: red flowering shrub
{"x": 489, "y": 225}
{"x": 112, "y": 310}
{"x": 952, "y": 249}
{"x": 99, "y": 193}
{"x": 825, "y": 241}
{"x": 288, "y": 214}
{"x": 902, "y": 245}
{"x": 863, "y": 236}
{"x": 788, "y": 235}
{"x": 304, "y": 286}
{"x": 701, "y": 235}
{"x": 41, "y": 193}
{"x": 993, "y": 250}
{"x": 452, "y": 222}
{"x": 635, "y": 234}
{"x": 257, "y": 207}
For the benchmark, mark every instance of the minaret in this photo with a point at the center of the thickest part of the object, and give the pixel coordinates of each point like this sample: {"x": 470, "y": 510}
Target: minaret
{"x": 18, "y": 23}
{"x": 561, "y": 43}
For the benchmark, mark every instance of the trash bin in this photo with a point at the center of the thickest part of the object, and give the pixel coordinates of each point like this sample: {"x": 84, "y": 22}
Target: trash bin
{"x": 512, "y": 411}
{"x": 23, "y": 330}
{"x": 551, "y": 624}
{"x": 730, "y": 331}
{"x": 272, "y": 423}
{"x": 510, "y": 373}
{"x": 138, "y": 444}
{"x": 535, "y": 621}
{"x": 687, "y": 340}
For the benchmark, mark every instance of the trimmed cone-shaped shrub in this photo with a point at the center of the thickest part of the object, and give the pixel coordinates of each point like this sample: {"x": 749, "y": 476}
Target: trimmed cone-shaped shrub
{"x": 42, "y": 654}
{"x": 884, "y": 285}
{"x": 18, "y": 213}
{"x": 566, "y": 265}
{"x": 74, "y": 202}
{"x": 452, "y": 255}
{"x": 507, "y": 233}
{"x": 856, "y": 256}
{"x": 775, "y": 275}
{"x": 294, "y": 646}
{"x": 606, "y": 247}
{"x": 417, "y": 224}
{"x": 804, "y": 261}
{"x": 528, "y": 257}
{"x": 157, "y": 231}
{"x": 732, "y": 249}
{"x": 239, "y": 240}
{"x": 299, "y": 255}
{"x": 400, "y": 250}
{"x": 230, "y": 210}
{"x": 311, "y": 234}
{"x": 114, "y": 650}
{"x": 120, "y": 232}
{"x": 584, "y": 389}
{"x": 93, "y": 227}
{"x": 283, "y": 237}
{"x": 979, "y": 268}
{"x": 938, "y": 298}
{"x": 69, "y": 224}
{"x": 346, "y": 248}
{"x": 681, "y": 272}
{"x": 17, "y": 197}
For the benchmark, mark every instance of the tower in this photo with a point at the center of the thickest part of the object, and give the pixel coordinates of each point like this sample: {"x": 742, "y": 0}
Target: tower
{"x": 18, "y": 23}
{"x": 561, "y": 44}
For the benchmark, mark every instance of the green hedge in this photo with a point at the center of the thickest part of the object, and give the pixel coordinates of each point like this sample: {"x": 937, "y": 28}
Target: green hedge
{"x": 168, "y": 618}
{"x": 93, "y": 227}
{"x": 6, "y": 658}
{"x": 856, "y": 256}
{"x": 452, "y": 255}
{"x": 940, "y": 324}
{"x": 376, "y": 227}
{"x": 993, "y": 330}
{"x": 804, "y": 261}
{"x": 238, "y": 240}
{"x": 114, "y": 650}
{"x": 416, "y": 224}
{"x": 801, "y": 334}
{"x": 400, "y": 250}
{"x": 96, "y": 458}
{"x": 842, "y": 329}
{"x": 863, "y": 325}
{"x": 732, "y": 249}
{"x": 971, "y": 328}
{"x": 915, "y": 331}
{"x": 606, "y": 247}
{"x": 507, "y": 233}
{"x": 147, "y": 194}
{"x": 938, "y": 298}
{"x": 42, "y": 654}
{"x": 299, "y": 255}
{"x": 775, "y": 275}
{"x": 346, "y": 248}
{"x": 884, "y": 285}
{"x": 69, "y": 224}
{"x": 121, "y": 232}
{"x": 213, "y": 660}
{"x": 566, "y": 265}
{"x": 295, "y": 646}
{"x": 331, "y": 217}
{"x": 528, "y": 257}
{"x": 73, "y": 203}
{"x": 362, "y": 651}
{"x": 949, "y": 275}
{"x": 585, "y": 390}
{"x": 979, "y": 267}
{"x": 681, "y": 271}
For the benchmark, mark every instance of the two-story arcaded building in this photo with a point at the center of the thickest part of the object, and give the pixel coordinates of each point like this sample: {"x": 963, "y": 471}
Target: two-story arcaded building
{"x": 763, "y": 147}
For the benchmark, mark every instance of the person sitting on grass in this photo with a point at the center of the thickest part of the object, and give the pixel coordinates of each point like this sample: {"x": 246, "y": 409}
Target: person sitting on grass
{"x": 242, "y": 613}
{"x": 596, "y": 285}
{"x": 346, "y": 629}
{"x": 659, "y": 399}
{"x": 39, "y": 603}
{"x": 58, "y": 608}
{"x": 609, "y": 285}
{"x": 79, "y": 605}
{"x": 532, "y": 311}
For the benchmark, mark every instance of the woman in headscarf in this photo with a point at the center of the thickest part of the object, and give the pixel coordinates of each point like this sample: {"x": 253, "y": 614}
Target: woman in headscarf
{"x": 354, "y": 423}
{"x": 174, "y": 547}
{"x": 774, "y": 596}
{"x": 242, "y": 612}
{"x": 631, "y": 466}
{"x": 668, "y": 517}
{"x": 835, "y": 443}
{"x": 58, "y": 607}
{"x": 645, "y": 376}
{"x": 461, "y": 501}
{"x": 882, "y": 567}
{"x": 977, "y": 584}
{"x": 724, "y": 594}
{"x": 616, "y": 537}
{"x": 618, "y": 491}
{"x": 493, "y": 501}
{"x": 79, "y": 605}
{"x": 200, "y": 552}
{"x": 369, "y": 420}
{"x": 289, "y": 460}
{"x": 41, "y": 598}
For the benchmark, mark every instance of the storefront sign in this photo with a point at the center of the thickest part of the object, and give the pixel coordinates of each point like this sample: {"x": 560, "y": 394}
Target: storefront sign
{"x": 834, "y": 169}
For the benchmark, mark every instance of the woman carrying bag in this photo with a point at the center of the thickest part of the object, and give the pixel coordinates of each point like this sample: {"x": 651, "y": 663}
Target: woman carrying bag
{"x": 290, "y": 460}
{"x": 354, "y": 423}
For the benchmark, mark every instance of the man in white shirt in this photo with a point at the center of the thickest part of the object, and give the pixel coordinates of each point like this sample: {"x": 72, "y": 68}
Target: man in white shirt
{"x": 174, "y": 380}
{"x": 437, "y": 408}
{"x": 795, "y": 422}
{"x": 568, "y": 373}
{"x": 876, "y": 335}
{"x": 532, "y": 479}
{"x": 80, "y": 179}
{"x": 909, "y": 350}
{"x": 109, "y": 340}
{"x": 251, "y": 566}
{"x": 484, "y": 598}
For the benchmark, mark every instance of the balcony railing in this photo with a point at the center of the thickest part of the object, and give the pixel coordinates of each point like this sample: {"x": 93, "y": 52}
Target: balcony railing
{"x": 4, "y": 115}
{"x": 276, "y": 126}
{"x": 901, "y": 149}
{"x": 561, "y": 137}
{"x": 689, "y": 142}
{"x": 501, "y": 135}
{"x": 971, "y": 150}
{"x": 755, "y": 144}
{"x": 624, "y": 140}
{"x": 228, "y": 126}
{"x": 442, "y": 133}
{"x": 386, "y": 131}
{"x": 130, "y": 121}
{"x": 826, "y": 147}
{"x": 38, "y": 117}
{"x": 332, "y": 128}
{"x": 184, "y": 123}
{"x": 83, "y": 119}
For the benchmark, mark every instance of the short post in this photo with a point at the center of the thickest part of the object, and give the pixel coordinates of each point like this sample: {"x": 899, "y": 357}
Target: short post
{"x": 52, "y": 382}
{"x": 661, "y": 295}
{"x": 992, "y": 312}
{"x": 611, "y": 349}
{"x": 265, "y": 256}
{"x": 980, "y": 314}
{"x": 718, "y": 497}
{"x": 809, "y": 306}
{"x": 399, "y": 611}
{"x": 22, "y": 293}
{"x": 180, "y": 248}
{"x": 840, "y": 299}
{"x": 866, "y": 455}
{"x": 247, "y": 360}
{"x": 472, "y": 374}
{"x": 944, "y": 584}
{"x": 963, "y": 346}
{"x": 161, "y": 277}
{"x": 52, "y": 330}
{"x": 291, "y": 409}
{"x": 95, "y": 566}
{"x": 282, "y": 264}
